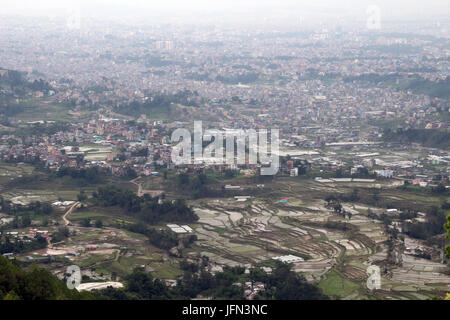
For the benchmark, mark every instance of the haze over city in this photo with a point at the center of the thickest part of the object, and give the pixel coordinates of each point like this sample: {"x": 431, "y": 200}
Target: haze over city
{"x": 224, "y": 150}
{"x": 310, "y": 9}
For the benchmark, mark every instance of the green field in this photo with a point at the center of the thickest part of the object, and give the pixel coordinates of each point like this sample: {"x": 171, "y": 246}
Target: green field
{"x": 46, "y": 109}
{"x": 334, "y": 284}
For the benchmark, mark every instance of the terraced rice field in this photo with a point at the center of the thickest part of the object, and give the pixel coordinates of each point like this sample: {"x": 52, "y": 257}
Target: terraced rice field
{"x": 247, "y": 233}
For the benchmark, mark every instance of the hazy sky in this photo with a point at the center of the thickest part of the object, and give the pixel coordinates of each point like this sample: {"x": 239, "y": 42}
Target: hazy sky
{"x": 393, "y": 9}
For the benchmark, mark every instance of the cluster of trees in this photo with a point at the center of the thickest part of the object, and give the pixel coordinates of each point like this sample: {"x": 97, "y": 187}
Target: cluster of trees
{"x": 145, "y": 208}
{"x": 4, "y": 121}
{"x": 155, "y": 61}
{"x": 20, "y": 222}
{"x": 315, "y": 74}
{"x": 18, "y": 83}
{"x": 33, "y": 284}
{"x": 229, "y": 174}
{"x": 33, "y": 160}
{"x": 373, "y": 78}
{"x": 39, "y": 85}
{"x": 41, "y": 129}
{"x": 433, "y": 226}
{"x": 337, "y": 225}
{"x": 439, "y": 189}
{"x": 417, "y": 84}
{"x": 8, "y": 108}
{"x": 396, "y": 48}
{"x": 195, "y": 185}
{"x": 39, "y": 284}
{"x": 435, "y": 218}
{"x": 285, "y": 284}
{"x": 281, "y": 284}
{"x": 374, "y": 196}
{"x": 363, "y": 173}
{"x": 143, "y": 152}
{"x": 8, "y": 245}
{"x": 218, "y": 286}
{"x": 434, "y": 138}
{"x": 140, "y": 285}
{"x": 241, "y": 78}
{"x": 303, "y": 166}
{"x": 438, "y": 89}
{"x": 408, "y": 214}
{"x": 61, "y": 234}
{"x": 163, "y": 239}
{"x": 157, "y": 102}
{"x": 92, "y": 175}
{"x": 130, "y": 173}
{"x": 198, "y": 76}
{"x": 36, "y": 207}
{"x": 334, "y": 203}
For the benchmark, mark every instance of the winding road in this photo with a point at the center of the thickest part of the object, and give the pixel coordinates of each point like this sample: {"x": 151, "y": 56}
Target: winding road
{"x": 66, "y": 222}
{"x": 64, "y": 217}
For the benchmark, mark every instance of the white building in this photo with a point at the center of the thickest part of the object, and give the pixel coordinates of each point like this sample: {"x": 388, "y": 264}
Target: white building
{"x": 385, "y": 173}
{"x": 288, "y": 259}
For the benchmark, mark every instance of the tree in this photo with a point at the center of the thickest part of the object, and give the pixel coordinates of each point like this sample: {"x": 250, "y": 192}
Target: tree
{"x": 330, "y": 198}
{"x": 61, "y": 234}
{"x": 229, "y": 174}
{"x": 26, "y": 221}
{"x": 64, "y": 231}
{"x": 11, "y": 296}
{"x": 257, "y": 274}
{"x": 79, "y": 158}
{"x": 354, "y": 196}
{"x": 130, "y": 173}
{"x": 98, "y": 223}
{"x": 439, "y": 189}
{"x": 183, "y": 179}
{"x": 45, "y": 222}
{"x": 375, "y": 196}
{"x": 337, "y": 208}
{"x": 81, "y": 196}
{"x": 86, "y": 222}
{"x": 34, "y": 283}
{"x": 285, "y": 284}
{"x": 145, "y": 208}
{"x": 142, "y": 284}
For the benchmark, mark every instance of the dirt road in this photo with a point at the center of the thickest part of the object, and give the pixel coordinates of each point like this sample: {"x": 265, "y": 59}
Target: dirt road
{"x": 141, "y": 192}
{"x": 66, "y": 222}
{"x": 64, "y": 217}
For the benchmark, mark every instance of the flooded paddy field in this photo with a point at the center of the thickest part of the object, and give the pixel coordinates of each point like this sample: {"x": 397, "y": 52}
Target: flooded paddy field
{"x": 254, "y": 232}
